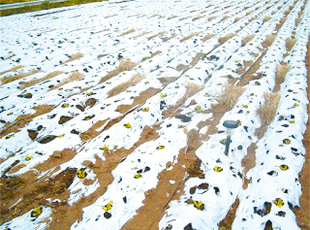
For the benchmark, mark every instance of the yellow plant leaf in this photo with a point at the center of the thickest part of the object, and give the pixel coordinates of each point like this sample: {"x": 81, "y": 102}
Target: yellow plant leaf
{"x": 28, "y": 158}
{"x": 36, "y": 211}
{"x": 198, "y": 109}
{"x": 162, "y": 95}
{"x": 223, "y": 141}
{"x": 279, "y": 202}
{"x": 105, "y": 148}
{"x": 160, "y": 147}
{"x": 218, "y": 169}
{"x": 127, "y": 125}
{"x": 146, "y": 109}
{"x": 108, "y": 206}
{"x": 286, "y": 141}
{"x": 198, "y": 204}
{"x": 137, "y": 175}
{"x": 61, "y": 135}
{"x": 81, "y": 173}
{"x": 284, "y": 167}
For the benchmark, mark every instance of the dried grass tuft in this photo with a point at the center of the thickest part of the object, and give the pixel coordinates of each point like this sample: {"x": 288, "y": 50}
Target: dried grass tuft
{"x": 211, "y": 18}
{"x": 12, "y": 69}
{"x": 36, "y": 81}
{"x": 267, "y": 112}
{"x": 74, "y": 76}
{"x": 237, "y": 19}
{"x": 124, "y": 86}
{"x": 124, "y": 65}
{"x": 6, "y": 80}
{"x": 74, "y": 57}
{"x": 196, "y": 18}
{"x": 128, "y": 32}
{"x": 281, "y": 71}
{"x": 250, "y": 12}
{"x": 289, "y": 43}
{"x": 207, "y": 37}
{"x": 225, "y": 38}
{"x": 269, "y": 40}
{"x": 230, "y": 96}
{"x": 247, "y": 39}
{"x": 189, "y": 36}
{"x": 266, "y": 19}
{"x": 192, "y": 89}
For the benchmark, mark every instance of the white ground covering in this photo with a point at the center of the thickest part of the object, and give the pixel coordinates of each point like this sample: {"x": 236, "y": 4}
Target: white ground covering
{"x": 43, "y": 40}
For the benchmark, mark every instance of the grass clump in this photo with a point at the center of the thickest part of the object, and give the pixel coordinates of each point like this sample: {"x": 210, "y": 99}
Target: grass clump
{"x": 247, "y": 39}
{"x": 189, "y": 36}
{"x": 74, "y": 57}
{"x": 74, "y": 76}
{"x": 230, "y": 96}
{"x": 225, "y": 38}
{"x": 36, "y": 81}
{"x": 207, "y": 37}
{"x": 124, "y": 65}
{"x": 267, "y": 112}
{"x": 269, "y": 40}
{"x": 128, "y": 32}
{"x": 6, "y": 80}
{"x": 266, "y": 19}
{"x": 289, "y": 43}
{"x": 281, "y": 71}
{"x": 124, "y": 86}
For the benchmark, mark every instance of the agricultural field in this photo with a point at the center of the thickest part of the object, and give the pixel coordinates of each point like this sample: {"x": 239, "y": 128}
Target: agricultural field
{"x": 111, "y": 116}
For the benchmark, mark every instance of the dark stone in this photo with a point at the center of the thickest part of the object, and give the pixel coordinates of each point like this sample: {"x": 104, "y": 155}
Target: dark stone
{"x": 203, "y": 186}
{"x": 216, "y": 190}
{"x": 268, "y": 225}
{"x": 46, "y": 139}
{"x": 192, "y": 190}
{"x": 147, "y": 168}
{"x": 188, "y": 227}
{"x": 107, "y": 215}
{"x": 64, "y": 119}
{"x": 74, "y": 131}
{"x": 90, "y": 102}
{"x": 183, "y": 118}
{"x": 32, "y": 134}
{"x": 80, "y": 107}
{"x": 264, "y": 211}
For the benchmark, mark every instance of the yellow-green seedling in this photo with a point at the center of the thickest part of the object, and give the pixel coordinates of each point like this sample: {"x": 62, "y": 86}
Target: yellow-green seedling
{"x": 146, "y": 109}
{"x": 162, "y": 95}
{"x": 199, "y": 205}
{"x": 37, "y": 211}
{"x": 104, "y": 148}
{"x": 137, "y": 175}
{"x": 286, "y": 141}
{"x": 160, "y": 147}
{"x": 81, "y": 173}
{"x": 284, "y": 167}
{"x": 198, "y": 109}
{"x": 108, "y": 206}
{"x": 279, "y": 202}
{"x": 27, "y": 158}
{"x": 218, "y": 169}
